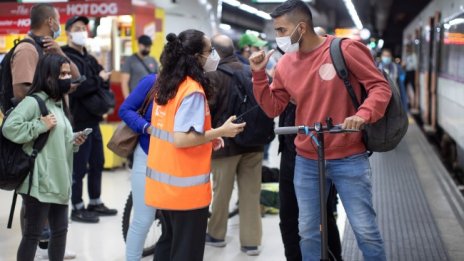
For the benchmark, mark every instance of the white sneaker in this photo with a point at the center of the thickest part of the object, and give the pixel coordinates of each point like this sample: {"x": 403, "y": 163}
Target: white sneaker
{"x": 68, "y": 254}
{"x": 42, "y": 254}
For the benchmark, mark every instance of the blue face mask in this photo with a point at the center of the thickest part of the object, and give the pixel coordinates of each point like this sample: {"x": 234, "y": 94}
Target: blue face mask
{"x": 57, "y": 33}
{"x": 386, "y": 60}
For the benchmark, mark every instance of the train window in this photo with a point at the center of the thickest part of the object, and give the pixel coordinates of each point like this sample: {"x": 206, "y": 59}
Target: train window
{"x": 452, "y": 49}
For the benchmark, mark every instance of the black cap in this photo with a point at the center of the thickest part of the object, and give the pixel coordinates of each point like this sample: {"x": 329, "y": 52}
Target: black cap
{"x": 145, "y": 40}
{"x": 74, "y": 19}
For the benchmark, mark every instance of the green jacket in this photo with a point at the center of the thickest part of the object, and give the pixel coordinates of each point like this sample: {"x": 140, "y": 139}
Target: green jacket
{"x": 52, "y": 177}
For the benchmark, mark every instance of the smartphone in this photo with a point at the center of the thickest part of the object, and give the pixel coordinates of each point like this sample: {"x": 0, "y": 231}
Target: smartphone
{"x": 240, "y": 119}
{"x": 79, "y": 80}
{"x": 87, "y": 131}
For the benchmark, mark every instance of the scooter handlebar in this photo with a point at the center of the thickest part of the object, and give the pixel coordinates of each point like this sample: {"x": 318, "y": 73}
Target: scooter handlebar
{"x": 305, "y": 129}
{"x": 289, "y": 130}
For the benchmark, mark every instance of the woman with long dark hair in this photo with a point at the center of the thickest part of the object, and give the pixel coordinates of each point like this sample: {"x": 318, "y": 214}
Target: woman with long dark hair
{"x": 182, "y": 140}
{"x": 51, "y": 179}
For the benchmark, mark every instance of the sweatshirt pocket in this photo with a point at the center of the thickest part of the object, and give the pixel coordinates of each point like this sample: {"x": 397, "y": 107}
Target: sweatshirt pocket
{"x": 54, "y": 177}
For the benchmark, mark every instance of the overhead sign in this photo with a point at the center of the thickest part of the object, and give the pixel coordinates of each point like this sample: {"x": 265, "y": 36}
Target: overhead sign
{"x": 14, "y": 18}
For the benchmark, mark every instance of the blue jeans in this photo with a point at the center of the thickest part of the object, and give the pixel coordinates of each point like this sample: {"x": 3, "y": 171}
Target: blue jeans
{"x": 143, "y": 215}
{"x": 352, "y": 178}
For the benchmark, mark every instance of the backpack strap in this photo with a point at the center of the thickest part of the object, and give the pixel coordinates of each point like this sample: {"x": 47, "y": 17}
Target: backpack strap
{"x": 226, "y": 69}
{"x": 39, "y": 49}
{"x": 40, "y": 142}
{"x": 340, "y": 67}
{"x": 237, "y": 75}
{"x": 143, "y": 63}
{"x": 234, "y": 77}
{"x": 343, "y": 73}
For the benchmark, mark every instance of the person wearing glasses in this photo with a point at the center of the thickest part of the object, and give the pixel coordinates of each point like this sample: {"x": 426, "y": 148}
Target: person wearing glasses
{"x": 181, "y": 143}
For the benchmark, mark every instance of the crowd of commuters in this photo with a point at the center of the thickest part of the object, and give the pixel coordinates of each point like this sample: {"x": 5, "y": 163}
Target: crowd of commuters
{"x": 177, "y": 110}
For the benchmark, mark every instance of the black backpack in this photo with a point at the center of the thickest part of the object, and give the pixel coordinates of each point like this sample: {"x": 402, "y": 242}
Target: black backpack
{"x": 6, "y": 79}
{"x": 15, "y": 164}
{"x": 259, "y": 130}
{"x": 386, "y": 133}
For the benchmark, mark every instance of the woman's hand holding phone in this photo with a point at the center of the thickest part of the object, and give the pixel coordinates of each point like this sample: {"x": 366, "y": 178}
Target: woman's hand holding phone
{"x": 231, "y": 129}
{"x": 81, "y": 136}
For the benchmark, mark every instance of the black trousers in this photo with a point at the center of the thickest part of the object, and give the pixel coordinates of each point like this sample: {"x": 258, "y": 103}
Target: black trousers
{"x": 183, "y": 237}
{"x": 410, "y": 78}
{"x": 289, "y": 212}
{"x": 89, "y": 159}
{"x": 36, "y": 215}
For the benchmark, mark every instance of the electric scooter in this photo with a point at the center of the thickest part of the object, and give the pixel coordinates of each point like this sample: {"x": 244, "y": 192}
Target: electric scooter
{"x": 318, "y": 139}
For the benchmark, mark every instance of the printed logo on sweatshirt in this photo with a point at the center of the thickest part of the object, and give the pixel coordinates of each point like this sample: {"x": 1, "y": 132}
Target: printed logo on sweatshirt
{"x": 327, "y": 72}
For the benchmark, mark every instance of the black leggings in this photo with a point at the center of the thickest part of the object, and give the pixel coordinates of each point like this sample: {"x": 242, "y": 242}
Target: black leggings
{"x": 36, "y": 215}
{"x": 183, "y": 236}
{"x": 411, "y": 79}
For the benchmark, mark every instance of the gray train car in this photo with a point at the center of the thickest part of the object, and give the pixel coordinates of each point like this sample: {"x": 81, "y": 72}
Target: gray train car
{"x": 437, "y": 35}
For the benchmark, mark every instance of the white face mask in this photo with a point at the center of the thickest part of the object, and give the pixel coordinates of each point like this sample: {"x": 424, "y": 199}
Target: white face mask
{"x": 212, "y": 62}
{"x": 285, "y": 42}
{"x": 79, "y": 38}
{"x": 57, "y": 33}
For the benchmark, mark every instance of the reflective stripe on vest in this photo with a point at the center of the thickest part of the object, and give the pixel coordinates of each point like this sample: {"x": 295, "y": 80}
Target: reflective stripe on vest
{"x": 162, "y": 135}
{"x": 178, "y": 181}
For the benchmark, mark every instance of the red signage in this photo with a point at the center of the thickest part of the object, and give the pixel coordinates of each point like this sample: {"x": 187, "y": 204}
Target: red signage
{"x": 14, "y": 18}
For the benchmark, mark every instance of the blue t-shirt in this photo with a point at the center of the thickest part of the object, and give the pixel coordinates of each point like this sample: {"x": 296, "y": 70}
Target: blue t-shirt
{"x": 191, "y": 114}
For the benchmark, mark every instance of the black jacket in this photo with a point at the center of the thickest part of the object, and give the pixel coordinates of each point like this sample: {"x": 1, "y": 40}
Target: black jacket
{"x": 88, "y": 66}
{"x": 287, "y": 118}
{"x": 220, "y": 82}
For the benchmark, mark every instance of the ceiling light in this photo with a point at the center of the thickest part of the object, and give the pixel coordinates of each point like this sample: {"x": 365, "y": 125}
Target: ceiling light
{"x": 365, "y": 34}
{"x": 232, "y": 2}
{"x": 263, "y": 15}
{"x": 456, "y": 21}
{"x": 381, "y": 43}
{"x": 225, "y": 27}
{"x": 354, "y": 15}
{"x": 275, "y": 1}
{"x": 247, "y": 8}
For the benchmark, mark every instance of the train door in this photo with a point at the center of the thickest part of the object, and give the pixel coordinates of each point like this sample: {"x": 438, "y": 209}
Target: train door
{"x": 424, "y": 72}
{"x": 417, "y": 51}
{"x": 434, "y": 66}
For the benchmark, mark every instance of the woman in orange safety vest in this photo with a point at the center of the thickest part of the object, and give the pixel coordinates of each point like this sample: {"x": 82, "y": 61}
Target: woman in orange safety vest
{"x": 179, "y": 156}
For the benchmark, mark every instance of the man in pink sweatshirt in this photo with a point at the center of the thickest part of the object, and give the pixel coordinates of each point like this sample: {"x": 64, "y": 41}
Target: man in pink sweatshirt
{"x": 306, "y": 75}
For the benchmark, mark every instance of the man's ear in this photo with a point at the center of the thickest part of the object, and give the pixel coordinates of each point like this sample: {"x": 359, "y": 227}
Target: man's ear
{"x": 303, "y": 28}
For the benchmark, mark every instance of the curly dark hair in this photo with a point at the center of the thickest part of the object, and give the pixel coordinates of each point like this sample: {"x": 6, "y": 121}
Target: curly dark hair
{"x": 179, "y": 60}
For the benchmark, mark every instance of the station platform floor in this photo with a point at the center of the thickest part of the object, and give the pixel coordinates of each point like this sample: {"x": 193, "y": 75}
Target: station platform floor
{"x": 420, "y": 213}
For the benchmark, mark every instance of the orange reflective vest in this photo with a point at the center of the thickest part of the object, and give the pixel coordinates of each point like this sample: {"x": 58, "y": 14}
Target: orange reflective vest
{"x": 177, "y": 178}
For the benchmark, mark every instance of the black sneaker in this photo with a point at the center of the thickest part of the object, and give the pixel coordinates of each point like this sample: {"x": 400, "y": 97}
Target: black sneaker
{"x": 211, "y": 241}
{"x": 84, "y": 216}
{"x": 102, "y": 210}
